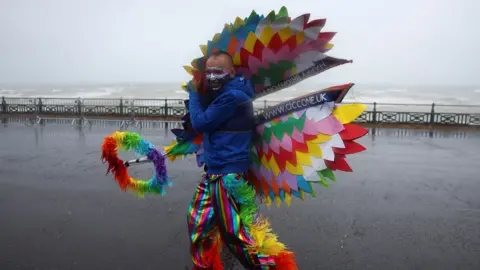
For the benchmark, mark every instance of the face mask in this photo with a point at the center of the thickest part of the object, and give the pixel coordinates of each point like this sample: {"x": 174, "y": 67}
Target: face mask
{"x": 217, "y": 77}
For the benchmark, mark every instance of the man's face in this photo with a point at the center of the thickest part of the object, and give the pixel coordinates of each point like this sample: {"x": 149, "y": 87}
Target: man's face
{"x": 219, "y": 70}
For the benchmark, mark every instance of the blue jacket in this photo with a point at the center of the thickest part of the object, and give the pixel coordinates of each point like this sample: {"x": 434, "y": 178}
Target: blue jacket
{"x": 227, "y": 126}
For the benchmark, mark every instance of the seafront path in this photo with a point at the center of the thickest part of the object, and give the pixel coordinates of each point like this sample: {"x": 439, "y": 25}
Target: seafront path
{"x": 411, "y": 203}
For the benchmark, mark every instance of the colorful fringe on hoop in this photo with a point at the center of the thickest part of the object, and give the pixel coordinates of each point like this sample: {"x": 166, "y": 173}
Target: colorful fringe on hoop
{"x": 128, "y": 141}
{"x": 223, "y": 207}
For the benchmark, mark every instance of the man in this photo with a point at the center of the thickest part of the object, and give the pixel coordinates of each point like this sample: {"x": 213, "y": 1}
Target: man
{"x": 224, "y": 115}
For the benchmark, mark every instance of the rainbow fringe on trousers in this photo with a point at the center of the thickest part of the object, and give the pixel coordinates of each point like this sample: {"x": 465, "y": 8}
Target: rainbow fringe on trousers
{"x": 223, "y": 211}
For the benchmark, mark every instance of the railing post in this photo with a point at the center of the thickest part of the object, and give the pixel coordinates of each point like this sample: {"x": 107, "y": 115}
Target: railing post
{"x": 121, "y": 106}
{"x": 79, "y": 107}
{"x": 166, "y": 107}
{"x": 374, "y": 114}
{"x": 264, "y": 104}
{"x": 432, "y": 114}
{"x": 40, "y": 105}
{"x": 132, "y": 110}
{"x": 4, "y": 105}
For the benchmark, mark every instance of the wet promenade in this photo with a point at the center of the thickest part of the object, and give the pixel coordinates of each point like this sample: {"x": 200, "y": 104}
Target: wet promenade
{"x": 413, "y": 202}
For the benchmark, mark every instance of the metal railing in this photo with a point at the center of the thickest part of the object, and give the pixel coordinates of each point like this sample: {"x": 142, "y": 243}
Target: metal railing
{"x": 173, "y": 109}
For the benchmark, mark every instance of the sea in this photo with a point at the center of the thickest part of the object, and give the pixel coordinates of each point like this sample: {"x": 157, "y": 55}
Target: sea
{"x": 387, "y": 96}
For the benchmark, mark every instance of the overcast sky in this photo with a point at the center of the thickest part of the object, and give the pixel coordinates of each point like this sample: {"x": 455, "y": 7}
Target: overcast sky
{"x": 403, "y": 42}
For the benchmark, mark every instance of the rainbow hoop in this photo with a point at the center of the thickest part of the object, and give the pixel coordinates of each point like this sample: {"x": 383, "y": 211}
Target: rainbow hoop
{"x": 128, "y": 141}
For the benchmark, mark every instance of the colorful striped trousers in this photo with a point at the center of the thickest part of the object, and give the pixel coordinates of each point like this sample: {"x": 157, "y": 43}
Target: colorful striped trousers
{"x": 223, "y": 211}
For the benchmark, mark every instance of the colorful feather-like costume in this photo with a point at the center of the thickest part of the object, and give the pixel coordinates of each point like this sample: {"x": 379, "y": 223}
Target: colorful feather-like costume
{"x": 298, "y": 142}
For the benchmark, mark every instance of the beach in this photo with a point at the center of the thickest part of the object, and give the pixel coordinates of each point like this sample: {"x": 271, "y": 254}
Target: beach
{"x": 411, "y": 203}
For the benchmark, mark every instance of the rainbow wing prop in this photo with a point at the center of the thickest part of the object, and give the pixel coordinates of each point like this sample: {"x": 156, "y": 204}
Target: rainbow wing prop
{"x": 301, "y": 142}
{"x": 181, "y": 149}
{"x": 273, "y": 51}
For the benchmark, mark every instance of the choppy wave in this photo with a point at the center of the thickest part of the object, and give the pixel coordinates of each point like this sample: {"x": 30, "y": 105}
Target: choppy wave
{"x": 100, "y": 92}
{"x": 9, "y": 93}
